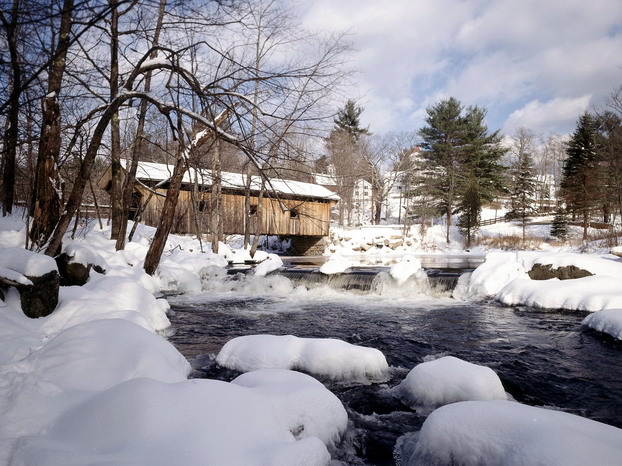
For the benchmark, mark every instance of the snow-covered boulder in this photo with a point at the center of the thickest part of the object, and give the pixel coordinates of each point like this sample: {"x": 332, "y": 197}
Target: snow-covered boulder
{"x": 607, "y": 321}
{"x": 448, "y": 380}
{"x": 269, "y": 264}
{"x": 409, "y": 265}
{"x": 183, "y": 271}
{"x": 307, "y": 407}
{"x": 325, "y": 357}
{"x": 75, "y": 264}
{"x": 144, "y": 421}
{"x": 503, "y": 432}
{"x": 335, "y": 264}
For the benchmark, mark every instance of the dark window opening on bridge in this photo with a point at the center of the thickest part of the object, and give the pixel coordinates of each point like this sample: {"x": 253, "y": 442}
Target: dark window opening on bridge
{"x": 293, "y": 213}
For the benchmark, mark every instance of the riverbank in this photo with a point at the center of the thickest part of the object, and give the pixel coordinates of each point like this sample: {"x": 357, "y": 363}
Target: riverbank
{"x": 99, "y": 356}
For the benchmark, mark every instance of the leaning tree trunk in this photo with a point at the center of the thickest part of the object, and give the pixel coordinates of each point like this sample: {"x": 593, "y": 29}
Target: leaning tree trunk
{"x": 130, "y": 176}
{"x": 152, "y": 259}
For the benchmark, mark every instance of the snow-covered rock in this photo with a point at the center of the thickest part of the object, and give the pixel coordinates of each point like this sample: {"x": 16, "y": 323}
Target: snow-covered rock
{"x": 334, "y": 359}
{"x": 607, "y": 321}
{"x": 269, "y": 264}
{"x": 409, "y": 265}
{"x": 503, "y": 432}
{"x": 335, "y": 264}
{"x": 307, "y": 407}
{"x": 448, "y": 380}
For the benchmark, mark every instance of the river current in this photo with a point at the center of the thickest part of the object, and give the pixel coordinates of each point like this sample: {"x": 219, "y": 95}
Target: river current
{"x": 543, "y": 357}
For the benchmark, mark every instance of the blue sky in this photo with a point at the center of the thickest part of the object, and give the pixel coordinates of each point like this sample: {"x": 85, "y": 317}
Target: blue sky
{"x": 532, "y": 63}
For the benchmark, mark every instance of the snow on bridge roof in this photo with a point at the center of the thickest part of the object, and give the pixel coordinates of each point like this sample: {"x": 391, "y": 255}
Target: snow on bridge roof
{"x": 159, "y": 172}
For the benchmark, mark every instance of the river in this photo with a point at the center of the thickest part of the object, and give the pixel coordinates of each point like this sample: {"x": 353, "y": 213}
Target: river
{"x": 543, "y": 357}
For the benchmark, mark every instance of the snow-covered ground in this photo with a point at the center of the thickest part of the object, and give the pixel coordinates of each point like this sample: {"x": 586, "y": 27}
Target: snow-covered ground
{"x": 95, "y": 382}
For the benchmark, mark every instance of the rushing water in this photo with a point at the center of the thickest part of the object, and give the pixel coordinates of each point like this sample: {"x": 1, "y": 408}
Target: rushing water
{"x": 544, "y": 358}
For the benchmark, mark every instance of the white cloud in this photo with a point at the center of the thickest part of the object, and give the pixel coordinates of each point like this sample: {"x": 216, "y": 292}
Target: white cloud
{"x": 498, "y": 54}
{"x": 548, "y": 116}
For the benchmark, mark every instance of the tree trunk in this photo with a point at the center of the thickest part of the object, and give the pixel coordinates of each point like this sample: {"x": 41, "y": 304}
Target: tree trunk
{"x": 46, "y": 205}
{"x": 116, "y": 183}
{"x": 216, "y": 207}
{"x": 11, "y": 132}
{"x": 152, "y": 259}
{"x": 259, "y": 219}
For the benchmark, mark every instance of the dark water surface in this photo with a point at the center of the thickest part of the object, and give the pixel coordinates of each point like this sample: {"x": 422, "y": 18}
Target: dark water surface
{"x": 544, "y": 358}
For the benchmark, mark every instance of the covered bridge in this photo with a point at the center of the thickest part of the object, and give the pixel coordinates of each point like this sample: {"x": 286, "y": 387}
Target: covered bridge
{"x": 289, "y": 208}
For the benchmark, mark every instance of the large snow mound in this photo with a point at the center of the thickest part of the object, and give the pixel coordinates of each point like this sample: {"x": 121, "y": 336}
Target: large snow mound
{"x": 129, "y": 295}
{"x": 307, "y": 407}
{"x": 144, "y": 421}
{"x": 508, "y": 433}
{"x": 99, "y": 354}
{"x": 448, "y": 380}
{"x": 607, "y": 321}
{"x": 331, "y": 358}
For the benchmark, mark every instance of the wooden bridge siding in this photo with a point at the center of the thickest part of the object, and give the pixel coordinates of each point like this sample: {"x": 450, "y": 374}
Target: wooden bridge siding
{"x": 313, "y": 217}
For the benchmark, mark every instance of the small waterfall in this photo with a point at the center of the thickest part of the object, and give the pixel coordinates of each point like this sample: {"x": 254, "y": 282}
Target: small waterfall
{"x": 374, "y": 280}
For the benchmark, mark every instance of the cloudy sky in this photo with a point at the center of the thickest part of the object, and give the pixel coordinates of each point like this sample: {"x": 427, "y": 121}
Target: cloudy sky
{"x": 532, "y": 63}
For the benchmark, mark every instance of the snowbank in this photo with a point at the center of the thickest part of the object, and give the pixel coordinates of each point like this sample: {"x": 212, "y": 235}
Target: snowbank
{"x": 144, "y": 421}
{"x": 448, "y": 380}
{"x": 505, "y": 277}
{"x": 334, "y": 359}
{"x": 586, "y": 294}
{"x": 608, "y": 321}
{"x": 508, "y": 433}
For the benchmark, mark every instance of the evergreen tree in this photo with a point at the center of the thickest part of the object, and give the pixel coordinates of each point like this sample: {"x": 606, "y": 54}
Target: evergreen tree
{"x": 348, "y": 120}
{"x": 464, "y": 157}
{"x": 581, "y": 180}
{"x": 470, "y": 208}
{"x": 559, "y": 228}
{"x": 523, "y": 190}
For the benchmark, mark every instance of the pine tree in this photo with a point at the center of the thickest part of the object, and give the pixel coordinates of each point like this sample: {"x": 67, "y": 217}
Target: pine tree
{"x": 581, "y": 180}
{"x": 470, "y": 207}
{"x": 559, "y": 228}
{"x": 523, "y": 190}
{"x": 348, "y": 120}
{"x": 457, "y": 143}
